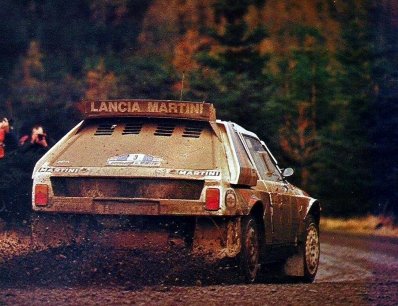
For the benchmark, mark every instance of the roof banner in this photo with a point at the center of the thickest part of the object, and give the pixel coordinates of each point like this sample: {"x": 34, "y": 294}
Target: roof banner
{"x": 151, "y": 108}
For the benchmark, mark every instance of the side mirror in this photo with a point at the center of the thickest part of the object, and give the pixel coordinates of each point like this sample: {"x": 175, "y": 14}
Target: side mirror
{"x": 287, "y": 172}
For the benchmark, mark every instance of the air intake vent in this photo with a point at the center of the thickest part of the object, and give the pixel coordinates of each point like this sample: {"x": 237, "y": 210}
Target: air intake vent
{"x": 192, "y": 131}
{"x": 132, "y": 129}
{"x": 105, "y": 129}
{"x": 164, "y": 129}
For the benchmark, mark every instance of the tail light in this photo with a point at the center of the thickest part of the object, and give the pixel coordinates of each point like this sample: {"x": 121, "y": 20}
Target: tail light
{"x": 212, "y": 199}
{"x": 41, "y": 195}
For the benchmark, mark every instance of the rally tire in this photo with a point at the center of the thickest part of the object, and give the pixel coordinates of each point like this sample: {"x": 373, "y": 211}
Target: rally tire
{"x": 311, "y": 249}
{"x": 250, "y": 252}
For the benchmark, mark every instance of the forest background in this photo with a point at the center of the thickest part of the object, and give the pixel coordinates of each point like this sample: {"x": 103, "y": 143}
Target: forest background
{"x": 317, "y": 80}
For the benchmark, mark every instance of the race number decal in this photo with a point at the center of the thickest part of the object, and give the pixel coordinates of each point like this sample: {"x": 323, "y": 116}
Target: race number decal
{"x": 138, "y": 160}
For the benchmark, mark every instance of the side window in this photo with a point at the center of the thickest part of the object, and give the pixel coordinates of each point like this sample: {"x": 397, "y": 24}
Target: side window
{"x": 262, "y": 160}
{"x": 273, "y": 173}
{"x": 255, "y": 148}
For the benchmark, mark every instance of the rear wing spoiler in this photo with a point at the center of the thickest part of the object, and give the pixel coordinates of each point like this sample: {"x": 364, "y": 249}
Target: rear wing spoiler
{"x": 151, "y": 109}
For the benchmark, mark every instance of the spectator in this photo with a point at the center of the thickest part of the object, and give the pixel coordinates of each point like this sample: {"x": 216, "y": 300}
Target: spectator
{"x": 37, "y": 141}
{"x": 11, "y": 140}
{"x": 16, "y": 185}
{"x": 4, "y": 129}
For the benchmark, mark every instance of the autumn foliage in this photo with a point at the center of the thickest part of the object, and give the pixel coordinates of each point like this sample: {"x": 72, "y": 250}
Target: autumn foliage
{"x": 315, "y": 79}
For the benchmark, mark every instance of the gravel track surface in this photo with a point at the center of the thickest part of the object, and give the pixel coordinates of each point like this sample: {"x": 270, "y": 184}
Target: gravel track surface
{"x": 353, "y": 271}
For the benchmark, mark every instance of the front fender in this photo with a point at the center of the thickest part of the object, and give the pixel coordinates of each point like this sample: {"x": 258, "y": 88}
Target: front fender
{"x": 314, "y": 208}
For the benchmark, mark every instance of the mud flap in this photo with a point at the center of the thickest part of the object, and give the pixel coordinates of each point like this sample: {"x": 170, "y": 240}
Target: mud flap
{"x": 294, "y": 265}
{"x": 216, "y": 239}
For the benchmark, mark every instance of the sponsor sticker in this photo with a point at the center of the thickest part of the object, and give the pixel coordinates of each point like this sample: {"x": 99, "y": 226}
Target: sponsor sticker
{"x": 59, "y": 170}
{"x": 146, "y": 107}
{"x": 151, "y": 108}
{"x": 62, "y": 162}
{"x": 140, "y": 160}
{"x": 201, "y": 173}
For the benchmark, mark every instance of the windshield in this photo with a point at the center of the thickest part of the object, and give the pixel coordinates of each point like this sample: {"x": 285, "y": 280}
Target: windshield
{"x": 141, "y": 142}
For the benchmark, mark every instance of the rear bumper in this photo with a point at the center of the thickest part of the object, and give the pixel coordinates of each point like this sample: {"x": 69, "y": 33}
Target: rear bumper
{"x": 211, "y": 239}
{"x": 133, "y": 207}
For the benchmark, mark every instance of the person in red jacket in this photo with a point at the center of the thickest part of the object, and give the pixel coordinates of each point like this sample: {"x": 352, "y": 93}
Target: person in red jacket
{"x": 4, "y": 129}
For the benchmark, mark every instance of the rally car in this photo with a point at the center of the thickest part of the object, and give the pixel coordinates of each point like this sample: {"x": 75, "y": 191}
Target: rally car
{"x": 172, "y": 167}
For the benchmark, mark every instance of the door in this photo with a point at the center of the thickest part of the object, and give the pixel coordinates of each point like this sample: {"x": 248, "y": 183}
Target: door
{"x": 282, "y": 218}
{"x": 281, "y": 201}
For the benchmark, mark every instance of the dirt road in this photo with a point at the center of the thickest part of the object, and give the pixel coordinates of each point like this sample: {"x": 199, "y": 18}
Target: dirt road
{"x": 353, "y": 270}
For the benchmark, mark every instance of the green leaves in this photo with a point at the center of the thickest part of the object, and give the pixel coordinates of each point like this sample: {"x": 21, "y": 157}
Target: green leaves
{"x": 303, "y": 75}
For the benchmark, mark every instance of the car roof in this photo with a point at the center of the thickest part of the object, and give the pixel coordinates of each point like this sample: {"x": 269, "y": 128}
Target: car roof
{"x": 239, "y": 128}
{"x": 189, "y": 110}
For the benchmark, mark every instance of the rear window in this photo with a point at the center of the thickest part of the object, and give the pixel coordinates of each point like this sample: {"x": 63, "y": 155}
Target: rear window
{"x": 141, "y": 142}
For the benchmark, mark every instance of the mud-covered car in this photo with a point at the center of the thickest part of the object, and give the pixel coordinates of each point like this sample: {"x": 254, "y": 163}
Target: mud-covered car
{"x": 170, "y": 167}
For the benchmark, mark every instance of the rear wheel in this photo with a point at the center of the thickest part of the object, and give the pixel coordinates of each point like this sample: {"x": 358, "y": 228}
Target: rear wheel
{"x": 250, "y": 252}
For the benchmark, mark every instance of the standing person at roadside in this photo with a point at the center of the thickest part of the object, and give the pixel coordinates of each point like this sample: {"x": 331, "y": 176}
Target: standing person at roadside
{"x": 4, "y": 129}
{"x": 36, "y": 142}
{"x": 11, "y": 139}
{"x": 16, "y": 173}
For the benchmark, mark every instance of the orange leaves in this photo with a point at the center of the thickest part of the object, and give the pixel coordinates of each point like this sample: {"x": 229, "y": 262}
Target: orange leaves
{"x": 100, "y": 83}
{"x": 282, "y": 18}
{"x": 186, "y": 49}
{"x": 298, "y": 137}
{"x": 184, "y": 60}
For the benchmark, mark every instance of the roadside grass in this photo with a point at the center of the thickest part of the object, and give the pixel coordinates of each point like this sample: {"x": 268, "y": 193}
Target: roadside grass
{"x": 368, "y": 225}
